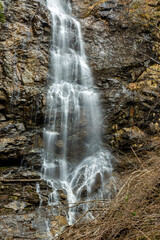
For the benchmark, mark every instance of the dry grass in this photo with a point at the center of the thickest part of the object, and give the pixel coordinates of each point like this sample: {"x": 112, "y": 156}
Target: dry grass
{"x": 135, "y": 212}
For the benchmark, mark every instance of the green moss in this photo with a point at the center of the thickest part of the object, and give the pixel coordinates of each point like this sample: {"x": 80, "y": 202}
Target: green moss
{"x": 2, "y": 16}
{"x": 14, "y": 197}
{"x": 134, "y": 214}
{"x": 136, "y": 5}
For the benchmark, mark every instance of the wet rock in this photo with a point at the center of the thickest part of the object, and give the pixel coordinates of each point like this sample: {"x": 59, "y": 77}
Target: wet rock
{"x": 97, "y": 183}
{"x": 16, "y": 205}
{"x": 108, "y": 5}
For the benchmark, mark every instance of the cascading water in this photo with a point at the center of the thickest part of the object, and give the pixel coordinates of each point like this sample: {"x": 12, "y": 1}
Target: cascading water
{"x": 74, "y": 161}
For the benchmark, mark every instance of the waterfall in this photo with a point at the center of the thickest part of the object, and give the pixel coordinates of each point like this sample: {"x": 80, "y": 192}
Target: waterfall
{"x": 73, "y": 158}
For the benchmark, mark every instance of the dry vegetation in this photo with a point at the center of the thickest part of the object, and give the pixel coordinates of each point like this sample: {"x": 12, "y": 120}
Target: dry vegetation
{"x": 135, "y": 212}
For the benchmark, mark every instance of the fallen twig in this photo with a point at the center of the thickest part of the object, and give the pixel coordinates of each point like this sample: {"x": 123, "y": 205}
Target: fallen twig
{"x": 19, "y": 180}
{"x": 137, "y": 157}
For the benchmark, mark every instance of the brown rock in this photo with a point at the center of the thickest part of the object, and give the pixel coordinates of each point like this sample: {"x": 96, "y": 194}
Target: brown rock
{"x": 24, "y": 67}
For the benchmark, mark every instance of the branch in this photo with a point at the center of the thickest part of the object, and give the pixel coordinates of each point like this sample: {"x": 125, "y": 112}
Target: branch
{"x": 79, "y": 219}
{"x": 19, "y": 180}
{"x": 137, "y": 157}
{"x": 149, "y": 57}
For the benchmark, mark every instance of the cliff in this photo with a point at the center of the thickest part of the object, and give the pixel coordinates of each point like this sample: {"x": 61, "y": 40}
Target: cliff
{"x": 24, "y": 49}
{"x": 123, "y": 51}
{"x": 121, "y": 39}
{"x": 122, "y": 45}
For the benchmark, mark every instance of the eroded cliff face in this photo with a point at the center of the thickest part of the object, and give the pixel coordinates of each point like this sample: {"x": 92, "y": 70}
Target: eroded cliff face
{"x": 120, "y": 53}
{"x": 121, "y": 41}
{"x": 24, "y": 61}
{"x": 24, "y": 49}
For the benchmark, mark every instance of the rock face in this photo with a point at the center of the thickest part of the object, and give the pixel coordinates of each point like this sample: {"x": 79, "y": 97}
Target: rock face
{"x": 119, "y": 44}
{"x": 120, "y": 52}
{"x": 24, "y": 50}
{"x": 24, "y": 206}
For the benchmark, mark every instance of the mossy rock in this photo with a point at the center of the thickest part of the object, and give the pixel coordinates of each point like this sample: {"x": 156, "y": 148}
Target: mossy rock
{"x": 2, "y": 16}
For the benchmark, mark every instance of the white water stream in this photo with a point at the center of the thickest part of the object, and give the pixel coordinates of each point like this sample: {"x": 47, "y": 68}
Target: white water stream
{"x": 74, "y": 161}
